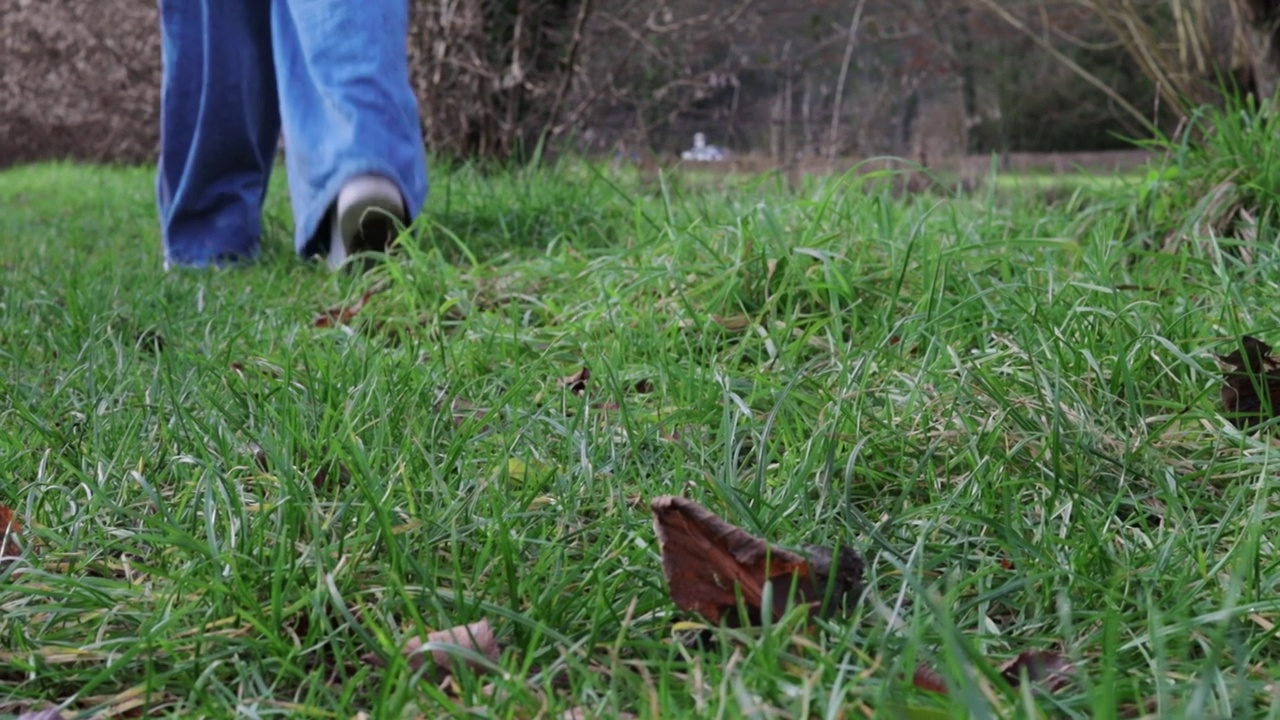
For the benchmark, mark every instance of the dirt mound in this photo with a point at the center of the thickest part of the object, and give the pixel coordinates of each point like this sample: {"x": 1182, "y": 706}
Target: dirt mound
{"x": 80, "y": 81}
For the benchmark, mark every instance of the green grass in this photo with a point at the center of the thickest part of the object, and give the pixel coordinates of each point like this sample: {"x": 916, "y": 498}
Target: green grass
{"x": 1065, "y": 183}
{"x": 1006, "y": 406}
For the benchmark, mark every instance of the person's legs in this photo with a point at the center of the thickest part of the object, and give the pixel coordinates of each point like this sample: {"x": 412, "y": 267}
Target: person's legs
{"x": 218, "y": 129}
{"x": 348, "y": 109}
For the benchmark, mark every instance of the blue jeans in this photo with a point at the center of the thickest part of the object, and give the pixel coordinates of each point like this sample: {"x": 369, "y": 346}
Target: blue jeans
{"x": 332, "y": 74}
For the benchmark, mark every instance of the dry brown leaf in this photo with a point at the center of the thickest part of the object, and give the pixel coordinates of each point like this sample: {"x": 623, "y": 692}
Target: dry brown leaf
{"x": 259, "y": 456}
{"x": 10, "y": 531}
{"x": 928, "y": 679}
{"x": 320, "y": 479}
{"x": 261, "y": 368}
{"x": 136, "y": 701}
{"x": 1247, "y": 231}
{"x": 1045, "y": 667}
{"x": 1249, "y": 372}
{"x": 462, "y": 410}
{"x": 477, "y": 637}
{"x": 710, "y": 564}
{"x": 577, "y": 382}
{"x": 337, "y": 315}
{"x": 150, "y": 340}
{"x": 343, "y": 314}
{"x": 735, "y": 323}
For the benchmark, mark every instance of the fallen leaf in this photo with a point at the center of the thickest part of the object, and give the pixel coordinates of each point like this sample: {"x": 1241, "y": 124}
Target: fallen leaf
{"x": 442, "y": 646}
{"x": 1046, "y": 667}
{"x": 1247, "y": 231}
{"x": 1250, "y": 384}
{"x": 1262, "y": 622}
{"x": 710, "y": 564}
{"x": 733, "y": 322}
{"x": 150, "y": 340}
{"x": 344, "y": 314}
{"x": 259, "y": 456}
{"x": 463, "y": 410}
{"x": 577, "y": 382}
{"x": 10, "y": 530}
{"x": 319, "y": 480}
{"x": 338, "y": 315}
{"x": 928, "y": 679}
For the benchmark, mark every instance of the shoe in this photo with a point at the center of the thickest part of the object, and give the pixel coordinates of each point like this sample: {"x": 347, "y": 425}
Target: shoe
{"x": 366, "y": 218}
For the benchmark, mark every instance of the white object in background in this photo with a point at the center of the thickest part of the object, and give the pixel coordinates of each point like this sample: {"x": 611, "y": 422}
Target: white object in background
{"x": 702, "y": 152}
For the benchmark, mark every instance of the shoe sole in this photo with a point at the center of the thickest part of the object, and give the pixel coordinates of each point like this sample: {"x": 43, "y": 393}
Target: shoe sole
{"x": 367, "y": 225}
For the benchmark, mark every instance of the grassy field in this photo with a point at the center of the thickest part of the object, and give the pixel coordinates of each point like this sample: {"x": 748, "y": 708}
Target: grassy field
{"x": 1008, "y": 407}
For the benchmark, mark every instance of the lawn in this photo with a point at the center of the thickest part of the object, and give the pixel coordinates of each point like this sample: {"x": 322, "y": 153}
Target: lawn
{"x": 1007, "y": 407}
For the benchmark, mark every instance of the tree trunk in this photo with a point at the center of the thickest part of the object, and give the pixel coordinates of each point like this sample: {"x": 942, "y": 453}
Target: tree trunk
{"x": 968, "y": 76}
{"x": 1262, "y": 24}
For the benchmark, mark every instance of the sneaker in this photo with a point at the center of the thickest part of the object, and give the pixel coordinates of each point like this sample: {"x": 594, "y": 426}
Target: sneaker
{"x": 365, "y": 219}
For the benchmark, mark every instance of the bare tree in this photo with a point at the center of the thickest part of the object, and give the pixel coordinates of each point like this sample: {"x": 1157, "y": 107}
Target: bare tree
{"x": 1261, "y": 22}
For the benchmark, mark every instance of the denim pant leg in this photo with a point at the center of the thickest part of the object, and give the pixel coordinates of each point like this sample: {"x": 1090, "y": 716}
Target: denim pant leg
{"x": 219, "y": 124}
{"x": 346, "y": 104}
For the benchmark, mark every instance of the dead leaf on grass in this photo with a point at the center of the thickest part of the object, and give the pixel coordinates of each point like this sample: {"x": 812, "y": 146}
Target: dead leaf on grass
{"x": 324, "y": 475}
{"x": 1047, "y": 668}
{"x": 710, "y": 565}
{"x": 1247, "y": 231}
{"x": 928, "y": 679}
{"x": 462, "y": 410}
{"x": 442, "y": 647}
{"x": 1250, "y": 384}
{"x": 150, "y": 340}
{"x": 320, "y": 479}
{"x": 735, "y": 323}
{"x": 259, "y": 456}
{"x": 344, "y": 314}
{"x": 137, "y": 701}
{"x": 10, "y": 531}
{"x": 1216, "y": 212}
{"x": 577, "y": 382}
